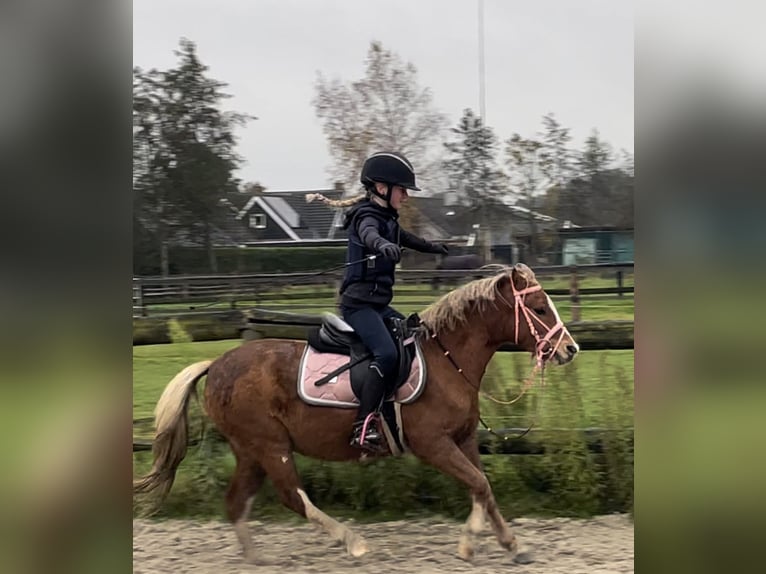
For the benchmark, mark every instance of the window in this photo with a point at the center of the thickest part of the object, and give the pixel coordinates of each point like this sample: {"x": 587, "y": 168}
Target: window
{"x": 258, "y": 221}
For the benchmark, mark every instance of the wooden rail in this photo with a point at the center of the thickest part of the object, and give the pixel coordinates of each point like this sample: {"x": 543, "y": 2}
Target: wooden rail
{"x": 231, "y": 289}
{"x": 262, "y": 323}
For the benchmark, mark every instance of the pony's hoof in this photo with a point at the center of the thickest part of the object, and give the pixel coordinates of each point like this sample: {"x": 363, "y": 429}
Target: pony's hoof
{"x": 511, "y": 546}
{"x": 356, "y": 546}
{"x": 465, "y": 551}
{"x": 524, "y": 558}
{"x": 254, "y": 559}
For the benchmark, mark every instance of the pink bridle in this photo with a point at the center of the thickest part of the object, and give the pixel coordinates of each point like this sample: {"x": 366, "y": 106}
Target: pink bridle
{"x": 544, "y": 349}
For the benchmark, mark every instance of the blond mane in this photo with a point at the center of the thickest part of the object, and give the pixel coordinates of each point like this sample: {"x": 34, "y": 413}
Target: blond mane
{"x": 451, "y": 310}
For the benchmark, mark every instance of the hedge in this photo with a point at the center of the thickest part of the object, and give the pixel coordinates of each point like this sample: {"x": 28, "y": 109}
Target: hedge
{"x": 194, "y": 261}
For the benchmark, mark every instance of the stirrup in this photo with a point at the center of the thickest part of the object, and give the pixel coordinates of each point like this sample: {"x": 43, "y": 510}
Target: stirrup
{"x": 366, "y": 434}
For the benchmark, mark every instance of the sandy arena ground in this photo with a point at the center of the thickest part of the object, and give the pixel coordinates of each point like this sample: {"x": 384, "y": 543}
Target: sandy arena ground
{"x": 599, "y": 545}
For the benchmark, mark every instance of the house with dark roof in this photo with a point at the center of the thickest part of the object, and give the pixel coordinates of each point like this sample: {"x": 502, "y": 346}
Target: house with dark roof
{"x": 510, "y": 229}
{"x": 284, "y": 217}
{"x": 260, "y": 217}
{"x": 442, "y": 216}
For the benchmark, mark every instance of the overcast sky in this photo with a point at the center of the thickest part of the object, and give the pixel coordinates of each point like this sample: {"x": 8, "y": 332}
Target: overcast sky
{"x": 570, "y": 57}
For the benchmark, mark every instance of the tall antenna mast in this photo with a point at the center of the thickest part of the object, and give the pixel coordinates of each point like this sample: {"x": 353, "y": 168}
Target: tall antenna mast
{"x": 482, "y": 98}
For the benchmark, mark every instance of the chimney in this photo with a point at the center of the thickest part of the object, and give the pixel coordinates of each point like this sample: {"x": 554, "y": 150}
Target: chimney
{"x": 450, "y": 198}
{"x": 255, "y": 188}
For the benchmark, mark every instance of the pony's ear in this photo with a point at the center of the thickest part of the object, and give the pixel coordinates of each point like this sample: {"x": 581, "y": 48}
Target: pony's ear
{"x": 502, "y": 281}
{"x": 520, "y": 274}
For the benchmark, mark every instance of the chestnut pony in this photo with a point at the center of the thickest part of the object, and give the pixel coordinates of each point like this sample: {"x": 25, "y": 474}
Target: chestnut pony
{"x": 251, "y": 397}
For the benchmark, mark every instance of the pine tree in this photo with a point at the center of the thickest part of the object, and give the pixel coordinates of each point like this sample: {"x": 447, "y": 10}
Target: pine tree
{"x": 471, "y": 163}
{"x": 473, "y": 175}
{"x": 184, "y": 151}
{"x": 601, "y": 193}
{"x": 556, "y": 163}
{"x": 524, "y": 163}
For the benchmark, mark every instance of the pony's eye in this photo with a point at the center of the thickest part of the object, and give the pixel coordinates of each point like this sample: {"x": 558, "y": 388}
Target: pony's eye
{"x": 540, "y": 311}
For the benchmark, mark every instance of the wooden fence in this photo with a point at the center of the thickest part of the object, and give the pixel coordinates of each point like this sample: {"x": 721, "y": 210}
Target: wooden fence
{"x": 262, "y": 323}
{"x": 169, "y": 295}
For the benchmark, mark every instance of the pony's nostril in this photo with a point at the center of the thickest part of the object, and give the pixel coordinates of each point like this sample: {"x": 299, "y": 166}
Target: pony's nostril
{"x": 572, "y": 349}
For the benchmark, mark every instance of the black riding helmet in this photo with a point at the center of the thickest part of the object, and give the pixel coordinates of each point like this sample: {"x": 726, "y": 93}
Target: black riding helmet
{"x": 388, "y": 167}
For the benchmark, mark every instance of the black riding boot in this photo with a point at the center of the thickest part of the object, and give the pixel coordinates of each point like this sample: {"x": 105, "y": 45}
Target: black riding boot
{"x": 373, "y": 392}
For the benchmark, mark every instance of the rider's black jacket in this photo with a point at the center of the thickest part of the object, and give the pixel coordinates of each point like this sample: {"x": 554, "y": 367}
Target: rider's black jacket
{"x": 370, "y": 282}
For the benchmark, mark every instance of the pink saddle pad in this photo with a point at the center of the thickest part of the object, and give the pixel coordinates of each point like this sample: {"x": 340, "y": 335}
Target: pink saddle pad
{"x": 337, "y": 392}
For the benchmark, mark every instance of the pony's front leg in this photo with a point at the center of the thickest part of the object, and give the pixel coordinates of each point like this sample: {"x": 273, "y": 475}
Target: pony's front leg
{"x": 475, "y": 523}
{"x": 445, "y": 455}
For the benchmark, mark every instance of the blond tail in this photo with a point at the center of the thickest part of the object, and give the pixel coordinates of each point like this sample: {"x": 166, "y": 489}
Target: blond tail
{"x": 169, "y": 447}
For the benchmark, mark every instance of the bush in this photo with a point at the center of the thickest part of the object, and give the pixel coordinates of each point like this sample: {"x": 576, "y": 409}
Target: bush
{"x": 177, "y": 333}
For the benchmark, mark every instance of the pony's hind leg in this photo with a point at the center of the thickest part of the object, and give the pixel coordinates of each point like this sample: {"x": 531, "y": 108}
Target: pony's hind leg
{"x": 281, "y": 470}
{"x": 247, "y": 480}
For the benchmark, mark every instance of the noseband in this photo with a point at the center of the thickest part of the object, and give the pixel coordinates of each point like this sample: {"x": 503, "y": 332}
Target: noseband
{"x": 544, "y": 348}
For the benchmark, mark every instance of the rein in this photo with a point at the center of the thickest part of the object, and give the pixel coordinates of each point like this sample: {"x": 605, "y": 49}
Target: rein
{"x": 527, "y": 384}
{"x": 544, "y": 349}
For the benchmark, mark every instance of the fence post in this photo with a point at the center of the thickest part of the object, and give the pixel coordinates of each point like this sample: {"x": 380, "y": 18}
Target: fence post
{"x": 619, "y": 282}
{"x": 138, "y": 296}
{"x": 574, "y": 294}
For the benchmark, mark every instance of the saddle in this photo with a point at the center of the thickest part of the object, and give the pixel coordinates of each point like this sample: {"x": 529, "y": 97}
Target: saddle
{"x": 337, "y": 336}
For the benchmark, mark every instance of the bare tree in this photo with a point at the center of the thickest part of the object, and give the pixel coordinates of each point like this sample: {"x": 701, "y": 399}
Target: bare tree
{"x": 386, "y": 109}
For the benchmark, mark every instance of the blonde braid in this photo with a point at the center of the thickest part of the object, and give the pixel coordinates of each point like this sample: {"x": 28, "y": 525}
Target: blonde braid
{"x": 335, "y": 202}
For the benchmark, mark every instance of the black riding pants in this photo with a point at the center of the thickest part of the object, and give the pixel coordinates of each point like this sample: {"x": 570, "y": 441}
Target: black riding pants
{"x": 369, "y": 324}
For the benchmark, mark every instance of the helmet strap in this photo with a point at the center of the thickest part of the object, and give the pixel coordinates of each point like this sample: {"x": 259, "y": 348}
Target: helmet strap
{"x": 387, "y": 197}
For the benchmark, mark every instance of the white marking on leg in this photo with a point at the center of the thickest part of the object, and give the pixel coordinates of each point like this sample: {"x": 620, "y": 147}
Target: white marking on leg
{"x": 475, "y": 521}
{"x": 243, "y": 532}
{"x": 355, "y": 545}
{"x": 473, "y": 526}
